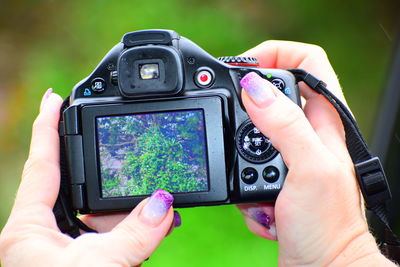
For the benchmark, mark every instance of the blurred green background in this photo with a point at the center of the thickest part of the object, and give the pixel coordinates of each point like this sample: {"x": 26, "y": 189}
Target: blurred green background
{"x": 48, "y": 43}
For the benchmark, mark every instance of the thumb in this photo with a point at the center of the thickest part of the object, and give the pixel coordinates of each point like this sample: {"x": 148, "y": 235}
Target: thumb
{"x": 135, "y": 238}
{"x": 281, "y": 120}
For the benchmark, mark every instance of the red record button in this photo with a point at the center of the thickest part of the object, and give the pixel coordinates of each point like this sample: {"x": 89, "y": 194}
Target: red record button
{"x": 204, "y": 78}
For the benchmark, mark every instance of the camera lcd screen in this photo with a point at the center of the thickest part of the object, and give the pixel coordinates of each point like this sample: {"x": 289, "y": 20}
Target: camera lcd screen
{"x": 140, "y": 153}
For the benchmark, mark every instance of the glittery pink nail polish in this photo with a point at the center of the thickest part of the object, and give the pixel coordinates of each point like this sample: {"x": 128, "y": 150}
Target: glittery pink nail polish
{"x": 259, "y": 89}
{"x": 157, "y": 206}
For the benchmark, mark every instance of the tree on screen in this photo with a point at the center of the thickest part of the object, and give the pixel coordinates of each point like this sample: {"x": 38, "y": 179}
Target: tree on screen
{"x": 142, "y": 153}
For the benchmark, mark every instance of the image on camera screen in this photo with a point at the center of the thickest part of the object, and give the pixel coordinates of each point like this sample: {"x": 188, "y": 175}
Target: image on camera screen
{"x": 141, "y": 153}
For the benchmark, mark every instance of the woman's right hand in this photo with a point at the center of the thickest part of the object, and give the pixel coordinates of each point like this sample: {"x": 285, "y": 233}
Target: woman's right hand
{"x": 318, "y": 216}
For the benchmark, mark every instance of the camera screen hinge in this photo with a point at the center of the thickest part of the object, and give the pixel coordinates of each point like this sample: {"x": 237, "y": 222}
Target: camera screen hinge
{"x": 74, "y": 155}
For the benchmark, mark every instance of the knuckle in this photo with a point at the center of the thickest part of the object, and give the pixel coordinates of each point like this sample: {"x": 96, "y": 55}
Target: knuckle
{"x": 291, "y": 120}
{"x": 37, "y": 123}
{"x": 331, "y": 169}
{"x": 317, "y": 51}
{"x": 137, "y": 238}
{"x": 7, "y": 240}
{"x": 42, "y": 127}
{"x": 269, "y": 42}
{"x": 319, "y": 175}
{"x": 33, "y": 165}
{"x": 311, "y": 49}
{"x": 3, "y": 243}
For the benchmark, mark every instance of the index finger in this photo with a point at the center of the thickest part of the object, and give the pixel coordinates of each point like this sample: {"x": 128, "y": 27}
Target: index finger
{"x": 291, "y": 55}
{"x": 40, "y": 182}
{"x": 322, "y": 116}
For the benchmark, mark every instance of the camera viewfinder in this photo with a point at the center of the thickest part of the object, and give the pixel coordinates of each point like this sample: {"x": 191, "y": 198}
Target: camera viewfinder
{"x": 149, "y": 71}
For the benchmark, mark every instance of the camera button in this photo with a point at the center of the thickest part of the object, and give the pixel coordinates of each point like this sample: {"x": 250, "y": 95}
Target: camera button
{"x": 279, "y": 83}
{"x": 252, "y": 145}
{"x": 98, "y": 85}
{"x": 204, "y": 77}
{"x": 271, "y": 174}
{"x": 114, "y": 77}
{"x": 249, "y": 175}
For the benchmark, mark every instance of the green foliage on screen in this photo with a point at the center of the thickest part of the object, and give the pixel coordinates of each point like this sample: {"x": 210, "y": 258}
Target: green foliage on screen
{"x": 145, "y": 152}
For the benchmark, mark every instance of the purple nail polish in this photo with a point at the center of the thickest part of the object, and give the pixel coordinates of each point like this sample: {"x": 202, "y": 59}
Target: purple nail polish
{"x": 45, "y": 97}
{"x": 157, "y": 206}
{"x": 48, "y": 93}
{"x": 260, "y": 216}
{"x": 272, "y": 230}
{"x": 177, "y": 219}
{"x": 259, "y": 89}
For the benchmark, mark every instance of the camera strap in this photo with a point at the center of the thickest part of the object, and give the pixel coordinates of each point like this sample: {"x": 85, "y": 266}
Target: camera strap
{"x": 369, "y": 171}
{"x": 63, "y": 212}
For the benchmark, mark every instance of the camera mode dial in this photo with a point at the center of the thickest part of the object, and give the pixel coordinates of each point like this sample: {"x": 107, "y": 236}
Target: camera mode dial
{"x": 253, "y": 145}
{"x": 240, "y": 61}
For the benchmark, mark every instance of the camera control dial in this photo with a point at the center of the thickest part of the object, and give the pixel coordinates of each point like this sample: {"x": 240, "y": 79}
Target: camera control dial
{"x": 253, "y": 145}
{"x": 240, "y": 61}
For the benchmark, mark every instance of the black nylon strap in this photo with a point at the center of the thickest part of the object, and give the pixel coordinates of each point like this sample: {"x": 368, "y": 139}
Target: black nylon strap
{"x": 370, "y": 174}
{"x": 65, "y": 215}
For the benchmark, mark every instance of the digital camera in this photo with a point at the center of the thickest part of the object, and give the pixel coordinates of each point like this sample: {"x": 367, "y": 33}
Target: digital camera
{"x": 159, "y": 112}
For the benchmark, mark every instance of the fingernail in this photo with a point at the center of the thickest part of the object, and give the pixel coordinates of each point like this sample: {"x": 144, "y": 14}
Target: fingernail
{"x": 272, "y": 230}
{"x": 259, "y": 89}
{"x": 45, "y": 97}
{"x": 260, "y": 216}
{"x": 177, "y": 219}
{"x": 175, "y": 223}
{"x": 157, "y": 206}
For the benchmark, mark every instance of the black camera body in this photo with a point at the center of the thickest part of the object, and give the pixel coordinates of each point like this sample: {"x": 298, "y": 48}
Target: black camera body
{"x": 160, "y": 112}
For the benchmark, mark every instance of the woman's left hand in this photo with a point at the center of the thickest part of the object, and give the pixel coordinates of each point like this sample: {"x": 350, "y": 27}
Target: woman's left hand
{"x": 31, "y": 236}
